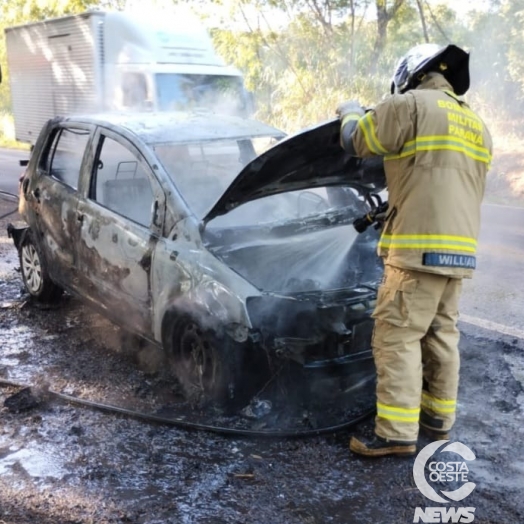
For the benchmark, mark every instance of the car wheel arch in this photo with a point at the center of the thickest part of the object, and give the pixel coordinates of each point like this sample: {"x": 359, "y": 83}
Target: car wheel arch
{"x": 242, "y": 369}
{"x": 48, "y": 291}
{"x": 198, "y": 356}
{"x": 182, "y": 310}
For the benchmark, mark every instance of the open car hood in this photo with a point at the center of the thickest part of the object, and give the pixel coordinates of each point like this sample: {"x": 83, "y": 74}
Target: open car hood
{"x": 308, "y": 159}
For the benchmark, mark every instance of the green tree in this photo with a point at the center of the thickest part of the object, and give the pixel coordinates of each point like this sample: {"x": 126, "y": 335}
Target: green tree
{"x": 386, "y": 12}
{"x": 299, "y": 66}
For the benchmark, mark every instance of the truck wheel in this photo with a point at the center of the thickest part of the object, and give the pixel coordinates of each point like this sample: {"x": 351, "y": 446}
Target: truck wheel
{"x": 208, "y": 368}
{"x": 34, "y": 272}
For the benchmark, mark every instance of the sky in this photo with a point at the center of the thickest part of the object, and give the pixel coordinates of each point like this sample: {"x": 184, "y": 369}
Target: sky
{"x": 463, "y": 6}
{"x": 217, "y": 15}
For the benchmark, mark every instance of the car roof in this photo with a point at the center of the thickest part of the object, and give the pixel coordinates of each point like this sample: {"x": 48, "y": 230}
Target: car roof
{"x": 168, "y": 127}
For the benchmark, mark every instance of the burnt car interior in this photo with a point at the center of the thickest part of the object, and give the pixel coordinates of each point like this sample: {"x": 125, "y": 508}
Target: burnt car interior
{"x": 66, "y": 152}
{"x": 120, "y": 182}
{"x": 202, "y": 171}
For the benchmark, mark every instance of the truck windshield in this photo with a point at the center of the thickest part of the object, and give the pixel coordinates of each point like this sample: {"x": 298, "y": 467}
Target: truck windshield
{"x": 180, "y": 92}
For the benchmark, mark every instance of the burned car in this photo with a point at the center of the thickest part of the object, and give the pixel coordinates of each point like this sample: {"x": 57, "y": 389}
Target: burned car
{"x": 177, "y": 228}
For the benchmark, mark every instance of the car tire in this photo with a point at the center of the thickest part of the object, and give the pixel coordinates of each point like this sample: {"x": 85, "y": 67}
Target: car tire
{"x": 34, "y": 271}
{"x": 208, "y": 367}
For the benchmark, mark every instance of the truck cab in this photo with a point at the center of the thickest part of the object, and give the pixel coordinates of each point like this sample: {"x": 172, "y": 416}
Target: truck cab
{"x": 155, "y": 66}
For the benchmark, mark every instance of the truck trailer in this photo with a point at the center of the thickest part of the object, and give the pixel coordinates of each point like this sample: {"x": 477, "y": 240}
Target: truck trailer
{"x": 112, "y": 61}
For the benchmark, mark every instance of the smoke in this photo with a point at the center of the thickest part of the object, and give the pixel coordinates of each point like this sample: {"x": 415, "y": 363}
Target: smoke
{"x": 496, "y": 93}
{"x": 163, "y": 15}
{"x": 179, "y": 69}
{"x": 315, "y": 260}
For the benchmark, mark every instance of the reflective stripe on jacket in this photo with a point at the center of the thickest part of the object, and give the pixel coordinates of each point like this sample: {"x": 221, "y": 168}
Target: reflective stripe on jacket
{"x": 437, "y": 152}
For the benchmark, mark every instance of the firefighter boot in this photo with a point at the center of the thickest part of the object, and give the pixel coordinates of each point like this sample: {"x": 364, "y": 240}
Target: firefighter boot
{"x": 379, "y": 447}
{"x": 432, "y": 427}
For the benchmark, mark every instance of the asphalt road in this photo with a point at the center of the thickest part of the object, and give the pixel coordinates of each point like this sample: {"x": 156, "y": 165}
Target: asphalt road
{"x": 496, "y": 292}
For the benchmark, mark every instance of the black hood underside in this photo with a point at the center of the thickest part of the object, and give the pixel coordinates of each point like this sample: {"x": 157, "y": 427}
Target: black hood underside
{"x": 309, "y": 159}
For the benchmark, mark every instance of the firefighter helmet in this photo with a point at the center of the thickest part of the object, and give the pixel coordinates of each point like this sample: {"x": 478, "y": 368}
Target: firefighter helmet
{"x": 450, "y": 61}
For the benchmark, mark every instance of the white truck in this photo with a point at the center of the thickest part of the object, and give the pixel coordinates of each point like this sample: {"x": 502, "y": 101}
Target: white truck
{"x": 113, "y": 61}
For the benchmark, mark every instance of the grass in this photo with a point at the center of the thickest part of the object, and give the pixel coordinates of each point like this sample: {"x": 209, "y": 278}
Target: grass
{"x": 7, "y": 133}
{"x": 9, "y": 143}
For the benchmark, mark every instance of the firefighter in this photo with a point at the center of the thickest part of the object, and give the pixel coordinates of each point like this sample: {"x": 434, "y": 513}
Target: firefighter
{"x": 436, "y": 152}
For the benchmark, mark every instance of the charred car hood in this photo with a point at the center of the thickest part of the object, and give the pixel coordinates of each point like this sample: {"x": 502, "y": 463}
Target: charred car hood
{"x": 309, "y": 159}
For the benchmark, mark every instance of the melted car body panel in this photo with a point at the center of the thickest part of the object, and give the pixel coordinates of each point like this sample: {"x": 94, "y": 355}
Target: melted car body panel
{"x": 188, "y": 278}
{"x": 111, "y": 269}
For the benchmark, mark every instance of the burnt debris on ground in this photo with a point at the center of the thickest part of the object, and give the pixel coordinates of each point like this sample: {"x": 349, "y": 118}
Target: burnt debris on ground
{"x": 64, "y": 464}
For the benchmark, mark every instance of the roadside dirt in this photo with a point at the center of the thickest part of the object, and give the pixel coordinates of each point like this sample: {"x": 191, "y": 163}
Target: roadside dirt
{"x": 62, "y": 464}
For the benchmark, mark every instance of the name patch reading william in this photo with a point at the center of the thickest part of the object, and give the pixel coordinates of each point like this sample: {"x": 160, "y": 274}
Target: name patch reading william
{"x": 448, "y": 260}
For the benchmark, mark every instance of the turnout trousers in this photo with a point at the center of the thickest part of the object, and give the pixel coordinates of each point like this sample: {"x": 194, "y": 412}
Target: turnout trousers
{"x": 415, "y": 349}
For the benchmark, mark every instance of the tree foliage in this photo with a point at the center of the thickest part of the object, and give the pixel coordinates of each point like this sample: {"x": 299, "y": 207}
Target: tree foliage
{"x": 302, "y": 57}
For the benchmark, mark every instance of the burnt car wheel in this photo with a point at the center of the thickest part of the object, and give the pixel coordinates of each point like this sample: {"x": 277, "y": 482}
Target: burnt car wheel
{"x": 34, "y": 272}
{"x": 207, "y": 367}
{"x": 204, "y": 373}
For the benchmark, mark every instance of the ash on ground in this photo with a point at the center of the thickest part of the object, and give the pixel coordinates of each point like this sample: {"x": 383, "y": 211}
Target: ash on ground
{"x": 61, "y": 463}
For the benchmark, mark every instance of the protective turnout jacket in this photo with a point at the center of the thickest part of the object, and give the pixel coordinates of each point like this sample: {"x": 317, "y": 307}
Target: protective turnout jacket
{"x": 436, "y": 154}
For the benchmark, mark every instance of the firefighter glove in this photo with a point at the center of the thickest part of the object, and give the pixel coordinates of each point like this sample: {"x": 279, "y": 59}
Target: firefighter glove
{"x": 349, "y": 107}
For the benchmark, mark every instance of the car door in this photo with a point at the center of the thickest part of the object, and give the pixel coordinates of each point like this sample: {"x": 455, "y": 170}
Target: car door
{"x": 121, "y": 221}
{"x": 53, "y": 196}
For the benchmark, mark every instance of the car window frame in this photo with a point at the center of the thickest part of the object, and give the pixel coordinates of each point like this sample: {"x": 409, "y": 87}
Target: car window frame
{"x": 157, "y": 189}
{"x": 50, "y": 149}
